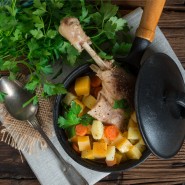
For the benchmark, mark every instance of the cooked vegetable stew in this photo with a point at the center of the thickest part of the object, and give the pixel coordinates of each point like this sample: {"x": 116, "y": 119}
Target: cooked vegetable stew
{"x": 91, "y": 138}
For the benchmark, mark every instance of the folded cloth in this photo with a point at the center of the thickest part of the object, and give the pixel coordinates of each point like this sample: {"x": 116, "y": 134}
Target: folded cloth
{"x": 44, "y": 163}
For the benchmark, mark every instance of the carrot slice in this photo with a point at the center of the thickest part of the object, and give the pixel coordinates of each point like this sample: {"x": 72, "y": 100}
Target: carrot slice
{"x": 75, "y": 147}
{"x": 81, "y": 130}
{"x": 111, "y": 132}
{"x": 95, "y": 81}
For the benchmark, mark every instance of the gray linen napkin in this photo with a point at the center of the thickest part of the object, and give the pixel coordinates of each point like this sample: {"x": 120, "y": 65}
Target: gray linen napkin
{"x": 44, "y": 163}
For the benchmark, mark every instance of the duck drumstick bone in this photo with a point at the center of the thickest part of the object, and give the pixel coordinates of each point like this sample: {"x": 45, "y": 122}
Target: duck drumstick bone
{"x": 71, "y": 29}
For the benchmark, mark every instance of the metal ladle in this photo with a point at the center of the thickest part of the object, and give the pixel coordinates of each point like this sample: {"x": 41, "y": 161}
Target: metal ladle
{"x": 15, "y": 97}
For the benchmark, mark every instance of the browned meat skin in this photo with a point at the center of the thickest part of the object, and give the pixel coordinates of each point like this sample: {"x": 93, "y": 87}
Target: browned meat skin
{"x": 104, "y": 112}
{"x": 117, "y": 84}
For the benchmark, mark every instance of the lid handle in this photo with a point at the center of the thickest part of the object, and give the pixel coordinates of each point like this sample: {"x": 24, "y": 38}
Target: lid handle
{"x": 176, "y": 103}
{"x": 150, "y": 18}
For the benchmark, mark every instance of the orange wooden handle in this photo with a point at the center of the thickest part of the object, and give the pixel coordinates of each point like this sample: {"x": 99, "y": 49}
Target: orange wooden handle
{"x": 150, "y": 18}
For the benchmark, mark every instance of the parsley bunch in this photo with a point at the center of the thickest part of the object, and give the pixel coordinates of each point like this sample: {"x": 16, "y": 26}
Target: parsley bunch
{"x": 29, "y": 37}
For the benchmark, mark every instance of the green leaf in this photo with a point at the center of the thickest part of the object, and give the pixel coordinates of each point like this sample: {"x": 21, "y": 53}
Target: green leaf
{"x": 2, "y": 96}
{"x": 17, "y": 35}
{"x": 41, "y": 7}
{"x": 105, "y": 55}
{"x": 72, "y": 54}
{"x": 37, "y": 33}
{"x": 71, "y": 117}
{"x": 119, "y": 22}
{"x": 86, "y": 119}
{"x": 121, "y": 104}
{"x": 58, "y": 3}
{"x": 122, "y": 49}
{"x": 51, "y": 34}
{"x": 109, "y": 29}
{"x": 33, "y": 100}
{"x": 54, "y": 89}
{"x": 97, "y": 18}
{"x": 32, "y": 84}
{"x": 47, "y": 69}
{"x": 108, "y": 10}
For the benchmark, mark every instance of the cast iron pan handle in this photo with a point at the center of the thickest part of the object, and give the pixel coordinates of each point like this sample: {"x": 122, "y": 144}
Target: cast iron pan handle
{"x": 144, "y": 35}
{"x": 150, "y": 18}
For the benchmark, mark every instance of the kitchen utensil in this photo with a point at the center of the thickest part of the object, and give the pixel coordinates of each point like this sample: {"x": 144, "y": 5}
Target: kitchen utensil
{"x": 159, "y": 91}
{"x": 15, "y": 97}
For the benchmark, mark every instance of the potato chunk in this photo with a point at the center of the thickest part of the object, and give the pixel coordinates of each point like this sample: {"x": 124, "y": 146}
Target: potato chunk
{"x": 134, "y": 153}
{"x": 133, "y": 133}
{"x": 89, "y": 101}
{"x": 97, "y": 129}
{"x": 87, "y": 154}
{"x": 124, "y": 145}
{"x": 84, "y": 143}
{"x": 69, "y": 97}
{"x": 82, "y": 86}
{"x": 111, "y": 150}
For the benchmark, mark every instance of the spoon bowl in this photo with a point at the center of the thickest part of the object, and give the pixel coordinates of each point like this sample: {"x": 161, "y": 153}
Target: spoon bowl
{"x": 15, "y": 98}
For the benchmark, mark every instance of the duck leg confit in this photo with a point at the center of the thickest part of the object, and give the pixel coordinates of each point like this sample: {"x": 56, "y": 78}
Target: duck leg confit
{"x": 117, "y": 84}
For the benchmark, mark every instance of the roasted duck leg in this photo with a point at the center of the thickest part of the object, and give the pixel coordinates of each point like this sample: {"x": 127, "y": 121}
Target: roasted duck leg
{"x": 117, "y": 84}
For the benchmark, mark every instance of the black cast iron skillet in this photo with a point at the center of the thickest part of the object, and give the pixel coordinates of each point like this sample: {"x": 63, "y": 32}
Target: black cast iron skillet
{"x": 147, "y": 109}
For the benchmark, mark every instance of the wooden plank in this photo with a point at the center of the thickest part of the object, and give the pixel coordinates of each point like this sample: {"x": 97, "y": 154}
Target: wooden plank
{"x": 19, "y": 182}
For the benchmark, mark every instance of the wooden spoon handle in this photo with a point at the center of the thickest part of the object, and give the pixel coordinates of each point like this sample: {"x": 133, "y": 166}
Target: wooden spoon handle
{"x": 150, "y": 18}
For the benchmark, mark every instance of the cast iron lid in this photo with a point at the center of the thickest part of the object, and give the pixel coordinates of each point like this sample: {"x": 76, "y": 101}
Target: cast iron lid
{"x": 160, "y": 105}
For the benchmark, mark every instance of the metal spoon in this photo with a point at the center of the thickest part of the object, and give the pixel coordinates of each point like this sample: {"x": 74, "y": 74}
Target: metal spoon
{"x": 14, "y": 100}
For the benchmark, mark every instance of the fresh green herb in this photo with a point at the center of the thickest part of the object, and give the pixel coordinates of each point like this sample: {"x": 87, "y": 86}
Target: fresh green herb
{"x": 121, "y": 104}
{"x": 2, "y": 96}
{"x": 86, "y": 119}
{"x": 31, "y": 37}
{"x": 71, "y": 117}
{"x": 33, "y": 100}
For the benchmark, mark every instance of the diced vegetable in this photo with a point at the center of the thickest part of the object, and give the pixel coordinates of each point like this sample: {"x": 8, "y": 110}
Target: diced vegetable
{"x": 131, "y": 123}
{"x": 134, "y": 153}
{"x": 81, "y": 105}
{"x": 84, "y": 143}
{"x": 87, "y": 154}
{"x": 82, "y": 86}
{"x": 111, "y": 132}
{"x": 125, "y": 134}
{"x": 133, "y": 117}
{"x": 124, "y": 145}
{"x": 118, "y": 157}
{"x": 97, "y": 129}
{"x": 133, "y": 133}
{"x": 117, "y": 140}
{"x": 69, "y": 97}
{"x": 99, "y": 149}
{"x": 81, "y": 130}
{"x": 95, "y": 81}
{"x": 89, "y": 101}
{"x": 111, "y": 150}
{"x": 140, "y": 147}
{"x": 111, "y": 163}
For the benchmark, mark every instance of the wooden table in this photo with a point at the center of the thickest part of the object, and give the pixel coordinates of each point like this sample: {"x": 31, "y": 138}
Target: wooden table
{"x": 153, "y": 170}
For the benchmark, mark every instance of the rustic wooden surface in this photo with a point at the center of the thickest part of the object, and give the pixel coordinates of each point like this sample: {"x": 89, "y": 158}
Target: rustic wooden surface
{"x": 153, "y": 170}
